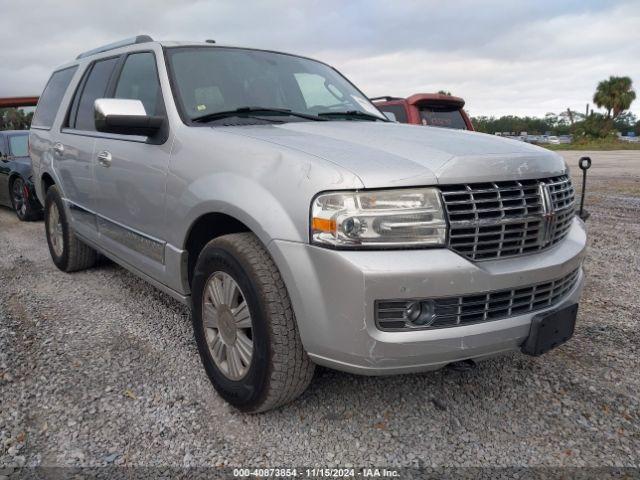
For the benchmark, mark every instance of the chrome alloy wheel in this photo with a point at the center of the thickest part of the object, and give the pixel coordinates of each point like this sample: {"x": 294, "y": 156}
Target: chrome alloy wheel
{"x": 19, "y": 197}
{"x": 54, "y": 227}
{"x": 227, "y": 324}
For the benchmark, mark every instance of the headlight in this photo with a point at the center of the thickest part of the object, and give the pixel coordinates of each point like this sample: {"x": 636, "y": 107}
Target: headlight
{"x": 380, "y": 218}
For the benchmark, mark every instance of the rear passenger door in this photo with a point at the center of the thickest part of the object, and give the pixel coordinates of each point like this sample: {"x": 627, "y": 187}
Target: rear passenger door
{"x": 44, "y": 134}
{"x": 75, "y": 162}
{"x": 130, "y": 184}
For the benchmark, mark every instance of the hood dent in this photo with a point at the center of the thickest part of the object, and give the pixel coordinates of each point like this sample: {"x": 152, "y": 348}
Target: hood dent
{"x": 384, "y": 155}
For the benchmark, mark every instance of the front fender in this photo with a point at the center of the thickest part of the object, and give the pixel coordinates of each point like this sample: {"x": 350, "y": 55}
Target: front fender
{"x": 242, "y": 198}
{"x": 268, "y": 188}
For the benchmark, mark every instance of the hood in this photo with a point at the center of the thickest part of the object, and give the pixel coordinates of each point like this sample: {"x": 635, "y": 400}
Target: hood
{"x": 391, "y": 154}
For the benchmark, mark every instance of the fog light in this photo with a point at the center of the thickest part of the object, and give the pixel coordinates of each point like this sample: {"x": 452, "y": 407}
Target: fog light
{"x": 421, "y": 313}
{"x": 413, "y": 311}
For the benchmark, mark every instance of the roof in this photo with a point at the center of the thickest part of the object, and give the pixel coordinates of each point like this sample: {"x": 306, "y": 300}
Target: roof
{"x": 424, "y": 99}
{"x": 420, "y": 99}
{"x": 134, "y": 43}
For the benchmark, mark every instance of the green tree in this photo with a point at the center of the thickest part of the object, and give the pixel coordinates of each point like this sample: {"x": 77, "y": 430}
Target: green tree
{"x": 615, "y": 95}
{"x": 595, "y": 125}
{"x": 625, "y": 122}
{"x": 444, "y": 92}
{"x": 511, "y": 123}
{"x": 15, "y": 119}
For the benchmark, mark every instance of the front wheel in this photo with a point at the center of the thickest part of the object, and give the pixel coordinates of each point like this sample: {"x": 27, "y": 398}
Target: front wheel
{"x": 244, "y": 326}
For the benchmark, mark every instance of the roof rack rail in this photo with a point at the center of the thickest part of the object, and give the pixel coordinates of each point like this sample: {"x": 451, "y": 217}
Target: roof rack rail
{"x": 385, "y": 98}
{"x": 112, "y": 46}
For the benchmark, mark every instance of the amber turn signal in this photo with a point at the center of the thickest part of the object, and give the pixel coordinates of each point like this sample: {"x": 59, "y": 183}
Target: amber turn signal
{"x": 323, "y": 225}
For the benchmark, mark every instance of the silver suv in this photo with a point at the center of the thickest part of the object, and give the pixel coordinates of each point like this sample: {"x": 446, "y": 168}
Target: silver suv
{"x": 301, "y": 225}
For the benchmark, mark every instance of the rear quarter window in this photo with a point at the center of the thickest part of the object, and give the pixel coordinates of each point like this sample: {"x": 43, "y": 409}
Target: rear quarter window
{"x": 51, "y": 98}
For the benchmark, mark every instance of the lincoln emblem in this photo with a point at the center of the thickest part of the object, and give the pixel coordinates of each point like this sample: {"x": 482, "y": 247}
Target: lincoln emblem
{"x": 548, "y": 214}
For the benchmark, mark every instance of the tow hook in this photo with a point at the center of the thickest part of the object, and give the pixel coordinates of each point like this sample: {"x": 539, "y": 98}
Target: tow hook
{"x": 462, "y": 365}
{"x": 584, "y": 163}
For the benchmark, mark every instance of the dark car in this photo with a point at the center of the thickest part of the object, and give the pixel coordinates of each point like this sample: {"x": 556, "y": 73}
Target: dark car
{"x": 16, "y": 187}
{"x": 431, "y": 109}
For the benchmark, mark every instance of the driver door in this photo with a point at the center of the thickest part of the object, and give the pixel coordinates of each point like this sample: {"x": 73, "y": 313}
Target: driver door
{"x": 130, "y": 175}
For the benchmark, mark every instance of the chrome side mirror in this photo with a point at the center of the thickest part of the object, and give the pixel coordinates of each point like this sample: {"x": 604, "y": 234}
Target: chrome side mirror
{"x": 125, "y": 117}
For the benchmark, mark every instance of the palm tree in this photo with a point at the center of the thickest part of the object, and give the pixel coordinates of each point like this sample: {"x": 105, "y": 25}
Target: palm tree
{"x": 615, "y": 95}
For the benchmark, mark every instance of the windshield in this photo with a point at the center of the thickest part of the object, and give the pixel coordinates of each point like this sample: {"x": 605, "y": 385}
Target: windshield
{"x": 19, "y": 145}
{"x": 216, "y": 79}
{"x": 446, "y": 117}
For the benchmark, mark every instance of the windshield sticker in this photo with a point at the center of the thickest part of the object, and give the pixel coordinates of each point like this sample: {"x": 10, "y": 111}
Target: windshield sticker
{"x": 200, "y": 108}
{"x": 366, "y": 105}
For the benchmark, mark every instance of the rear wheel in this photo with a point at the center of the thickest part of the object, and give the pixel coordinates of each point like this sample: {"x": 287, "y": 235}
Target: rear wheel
{"x": 67, "y": 252}
{"x": 20, "y": 200}
{"x": 245, "y": 327}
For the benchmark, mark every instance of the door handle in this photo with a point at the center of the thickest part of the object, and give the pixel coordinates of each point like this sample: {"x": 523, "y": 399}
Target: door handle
{"x": 58, "y": 148}
{"x": 104, "y": 159}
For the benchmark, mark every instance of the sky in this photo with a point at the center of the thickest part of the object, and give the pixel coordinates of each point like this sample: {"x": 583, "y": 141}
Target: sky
{"x": 503, "y": 57}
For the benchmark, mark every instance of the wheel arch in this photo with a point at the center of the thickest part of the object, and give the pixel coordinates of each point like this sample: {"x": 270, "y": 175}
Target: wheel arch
{"x": 217, "y": 205}
{"x": 205, "y": 228}
{"x": 12, "y": 178}
{"x": 46, "y": 181}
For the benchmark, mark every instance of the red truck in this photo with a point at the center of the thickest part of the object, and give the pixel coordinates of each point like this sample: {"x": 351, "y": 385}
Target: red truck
{"x": 433, "y": 109}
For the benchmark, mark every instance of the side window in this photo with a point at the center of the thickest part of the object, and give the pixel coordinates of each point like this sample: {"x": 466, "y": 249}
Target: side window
{"x": 19, "y": 145}
{"x": 51, "y": 97}
{"x": 397, "y": 110}
{"x": 95, "y": 87}
{"x": 139, "y": 81}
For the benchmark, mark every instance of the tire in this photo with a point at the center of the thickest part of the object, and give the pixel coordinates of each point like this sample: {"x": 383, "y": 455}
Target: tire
{"x": 20, "y": 201}
{"x": 68, "y": 253}
{"x": 279, "y": 369}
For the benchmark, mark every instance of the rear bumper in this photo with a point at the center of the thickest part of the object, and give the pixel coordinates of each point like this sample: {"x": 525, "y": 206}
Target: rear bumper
{"x": 34, "y": 203}
{"x": 333, "y": 295}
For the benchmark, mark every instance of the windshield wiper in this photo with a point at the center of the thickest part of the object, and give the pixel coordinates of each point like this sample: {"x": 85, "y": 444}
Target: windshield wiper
{"x": 353, "y": 113}
{"x": 255, "y": 111}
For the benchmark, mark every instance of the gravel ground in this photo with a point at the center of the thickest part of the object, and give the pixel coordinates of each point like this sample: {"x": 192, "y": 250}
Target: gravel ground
{"x": 99, "y": 368}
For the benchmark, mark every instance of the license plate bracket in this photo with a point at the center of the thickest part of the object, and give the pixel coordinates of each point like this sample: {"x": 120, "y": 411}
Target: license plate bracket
{"x": 550, "y": 330}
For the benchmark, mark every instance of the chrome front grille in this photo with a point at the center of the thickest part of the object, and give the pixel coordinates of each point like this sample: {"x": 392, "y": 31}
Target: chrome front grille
{"x": 504, "y": 219}
{"x": 392, "y": 315}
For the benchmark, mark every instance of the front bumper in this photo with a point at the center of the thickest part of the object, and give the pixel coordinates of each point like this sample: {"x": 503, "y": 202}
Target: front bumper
{"x": 333, "y": 295}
